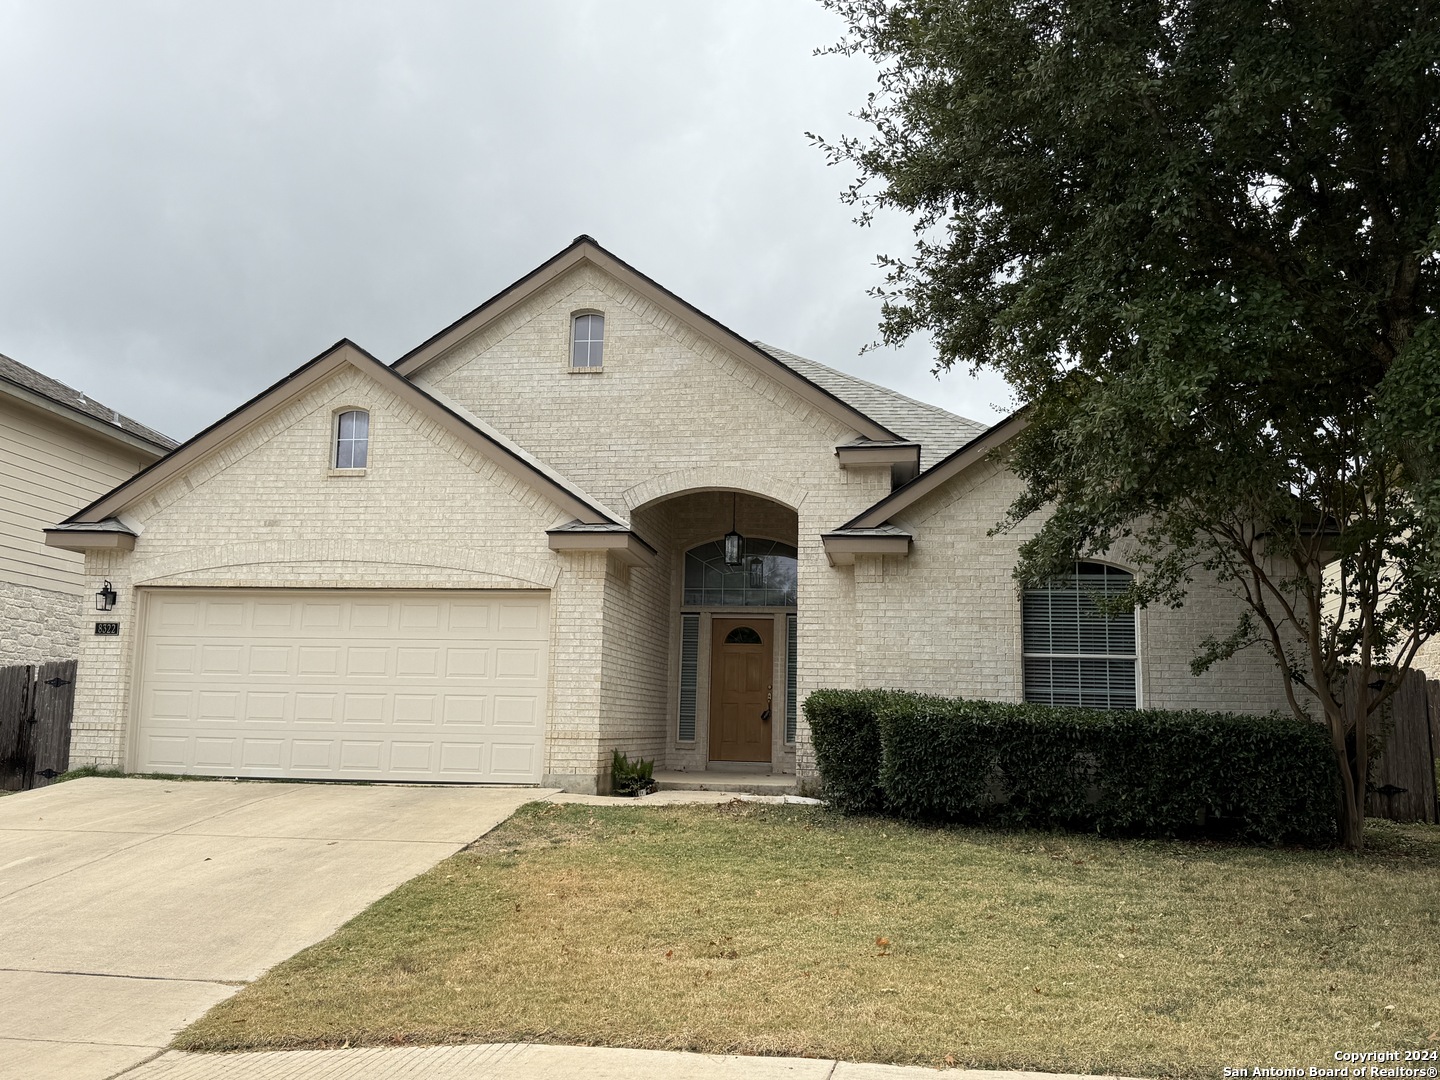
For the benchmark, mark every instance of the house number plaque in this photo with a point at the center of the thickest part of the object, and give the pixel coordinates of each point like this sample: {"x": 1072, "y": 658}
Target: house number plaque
{"x": 107, "y": 629}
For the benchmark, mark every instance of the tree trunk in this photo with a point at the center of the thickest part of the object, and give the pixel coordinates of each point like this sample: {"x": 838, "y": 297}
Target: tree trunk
{"x": 1353, "y": 768}
{"x": 1352, "y": 816}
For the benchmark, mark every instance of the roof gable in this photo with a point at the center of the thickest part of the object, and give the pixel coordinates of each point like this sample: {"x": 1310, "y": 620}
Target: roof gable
{"x": 583, "y": 250}
{"x": 343, "y": 352}
{"x": 949, "y": 467}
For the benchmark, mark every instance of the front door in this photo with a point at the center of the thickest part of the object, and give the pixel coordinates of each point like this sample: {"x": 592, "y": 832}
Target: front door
{"x": 742, "y": 665}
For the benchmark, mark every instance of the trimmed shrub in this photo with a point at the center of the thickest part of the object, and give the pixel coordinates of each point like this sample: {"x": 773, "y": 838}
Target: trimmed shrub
{"x": 1155, "y": 773}
{"x": 847, "y": 747}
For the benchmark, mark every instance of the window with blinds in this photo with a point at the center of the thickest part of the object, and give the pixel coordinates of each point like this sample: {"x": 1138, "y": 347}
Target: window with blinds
{"x": 791, "y": 716}
{"x": 1073, "y": 653}
{"x": 689, "y": 674}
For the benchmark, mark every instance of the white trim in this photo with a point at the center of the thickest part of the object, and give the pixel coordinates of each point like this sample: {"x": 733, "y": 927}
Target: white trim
{"x": 575, "y": 317}
{"x": 336, "y": 469}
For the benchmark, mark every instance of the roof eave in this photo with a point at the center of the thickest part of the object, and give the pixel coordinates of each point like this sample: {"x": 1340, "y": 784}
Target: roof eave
{"x": 842, "y": 547}
{"x": 124, "y": 437}
{"x": 624, "y": 544}
{"x": 108, "y": 535}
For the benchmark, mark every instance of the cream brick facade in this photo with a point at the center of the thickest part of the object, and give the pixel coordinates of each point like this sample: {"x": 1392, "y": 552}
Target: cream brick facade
{"x": 676, "y": 432}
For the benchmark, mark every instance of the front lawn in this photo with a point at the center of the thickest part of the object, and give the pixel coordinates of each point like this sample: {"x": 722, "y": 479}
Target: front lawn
{"x": 788, "y": 930}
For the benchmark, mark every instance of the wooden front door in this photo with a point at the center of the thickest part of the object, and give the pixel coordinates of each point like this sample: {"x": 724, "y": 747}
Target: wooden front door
{"x": 742, "y": 665}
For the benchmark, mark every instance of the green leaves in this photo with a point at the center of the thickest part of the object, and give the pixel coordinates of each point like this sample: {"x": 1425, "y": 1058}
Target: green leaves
{"x": 1199, "y": 238}
{"x": 630, "y": 777}
{"x": 1151, "y": 773}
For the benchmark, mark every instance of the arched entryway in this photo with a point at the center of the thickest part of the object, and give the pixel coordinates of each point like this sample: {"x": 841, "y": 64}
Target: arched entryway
{"x": 733, "y": 610}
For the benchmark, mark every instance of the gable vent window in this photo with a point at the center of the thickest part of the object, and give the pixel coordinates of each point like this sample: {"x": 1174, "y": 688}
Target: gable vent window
{"x": 1075, "y": 654}
{"x": 352, "y": 439}
{"x": 587, "y": 347}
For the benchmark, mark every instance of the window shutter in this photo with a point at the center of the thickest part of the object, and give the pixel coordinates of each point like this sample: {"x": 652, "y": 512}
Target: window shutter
{"x": 689, "y": 674}
{"x": 791, "y": 716}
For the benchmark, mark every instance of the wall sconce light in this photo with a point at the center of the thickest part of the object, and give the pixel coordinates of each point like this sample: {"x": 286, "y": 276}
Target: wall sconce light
{"x": 105, "y": 598}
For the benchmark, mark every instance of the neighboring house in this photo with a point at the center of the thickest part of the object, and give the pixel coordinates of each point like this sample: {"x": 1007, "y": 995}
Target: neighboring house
{"x": 58, "y": 450}
{"x": 584, "y": 517}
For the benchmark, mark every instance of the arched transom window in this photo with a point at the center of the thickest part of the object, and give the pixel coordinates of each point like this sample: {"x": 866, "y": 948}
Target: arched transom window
{"x": 765, "y": 577}
{"x": 1075, "y": 654}
{"x": 352, "y": 439}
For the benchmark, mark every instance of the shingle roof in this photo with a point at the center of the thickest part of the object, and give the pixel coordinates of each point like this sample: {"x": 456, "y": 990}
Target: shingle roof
{"x": 12, "y": 371}
{"x": 938, "y": 432}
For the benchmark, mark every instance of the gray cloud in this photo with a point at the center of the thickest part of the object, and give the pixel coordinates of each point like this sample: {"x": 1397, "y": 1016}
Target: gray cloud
{"x": 195, "y": 198}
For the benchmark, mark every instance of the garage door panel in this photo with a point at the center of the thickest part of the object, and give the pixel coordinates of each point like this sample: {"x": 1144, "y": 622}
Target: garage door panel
{"x": 368, "y": 661}
{"x": 420, "y": 662}
{"x": 517, "y": 713}
{"x": 519, "y": 617}
{"x": 267, "y": 707}
{"x": 312, "y": 755}
{"x": 215, "y": 752}
{"x": 165, "y": 752}
{"x": 174, "y": 659}
{"x": 510, "y": 760}
{"x": 263, "y": 753}
{"x": 222, "y": 706}
{"x": 352, "y": 685}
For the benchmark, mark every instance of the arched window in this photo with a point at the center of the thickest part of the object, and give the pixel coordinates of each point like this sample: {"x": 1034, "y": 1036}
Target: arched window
{"x": 765, "y": 577}
{"x": 1075, "y": 654}
{"x": 352, "y": 439}
{"x": 587, "y": 340}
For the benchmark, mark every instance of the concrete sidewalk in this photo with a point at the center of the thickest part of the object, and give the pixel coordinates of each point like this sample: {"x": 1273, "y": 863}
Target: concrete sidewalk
{"x": 528, "y": 1061}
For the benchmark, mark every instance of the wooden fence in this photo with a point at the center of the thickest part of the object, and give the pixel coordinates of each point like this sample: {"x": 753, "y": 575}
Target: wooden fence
{"x": 1402, "y": 778}
{"x": 36, "y": 703}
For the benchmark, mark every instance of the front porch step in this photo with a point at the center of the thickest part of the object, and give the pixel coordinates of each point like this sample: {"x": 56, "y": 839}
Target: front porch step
{"x": 742, "y": 783}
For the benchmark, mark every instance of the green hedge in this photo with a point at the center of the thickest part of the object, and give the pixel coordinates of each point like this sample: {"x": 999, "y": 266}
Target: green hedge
{"x": 1267, "y": 779}
{"x": 846, "y": 738}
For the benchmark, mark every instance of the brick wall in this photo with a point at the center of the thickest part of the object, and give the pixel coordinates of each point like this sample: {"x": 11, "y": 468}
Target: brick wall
{"x": 946, "y": 619}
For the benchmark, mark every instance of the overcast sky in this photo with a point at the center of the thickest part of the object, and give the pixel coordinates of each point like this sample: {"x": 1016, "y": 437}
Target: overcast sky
{"x": 196, "y": 198}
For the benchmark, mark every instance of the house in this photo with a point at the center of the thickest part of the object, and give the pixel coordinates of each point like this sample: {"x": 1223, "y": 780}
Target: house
{"x": 584, "y": 517}
{"x": 58, "y": 450}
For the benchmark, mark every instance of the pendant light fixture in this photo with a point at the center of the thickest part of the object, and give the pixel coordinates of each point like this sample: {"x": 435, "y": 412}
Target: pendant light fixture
{"x": 734, "y": 542}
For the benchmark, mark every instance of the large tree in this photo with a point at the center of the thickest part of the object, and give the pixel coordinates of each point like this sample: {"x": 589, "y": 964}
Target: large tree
{"x": 1199, "y": 238}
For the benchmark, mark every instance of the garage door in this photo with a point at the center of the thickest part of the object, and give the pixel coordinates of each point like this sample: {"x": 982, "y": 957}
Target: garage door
{"x": 418, "y": 686}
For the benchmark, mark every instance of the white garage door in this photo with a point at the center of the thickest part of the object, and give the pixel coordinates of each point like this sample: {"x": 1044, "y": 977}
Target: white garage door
{"x": 341, "y": 685}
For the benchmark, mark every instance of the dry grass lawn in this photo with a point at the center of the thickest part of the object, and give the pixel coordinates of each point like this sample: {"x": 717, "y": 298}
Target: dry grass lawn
{"x": 787, "y": 930}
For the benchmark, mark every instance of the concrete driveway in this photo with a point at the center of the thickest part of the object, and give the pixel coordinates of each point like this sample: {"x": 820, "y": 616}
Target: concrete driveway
{"x": 129, "y": 907}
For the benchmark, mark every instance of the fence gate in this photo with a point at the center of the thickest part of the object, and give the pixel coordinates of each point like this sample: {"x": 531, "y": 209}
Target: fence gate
{"x": 1402, "y": 778}
{"x": 36, "y": 703}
